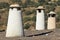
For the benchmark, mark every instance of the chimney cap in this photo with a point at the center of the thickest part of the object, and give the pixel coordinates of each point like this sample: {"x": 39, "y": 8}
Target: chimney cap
{"x": 52, "y": 12}
{"x": 40, "y": 7}
{"x": 15, "y": 5}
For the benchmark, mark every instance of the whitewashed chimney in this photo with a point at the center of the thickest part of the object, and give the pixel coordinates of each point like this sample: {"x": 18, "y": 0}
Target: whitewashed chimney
{"x": 51, "y": 20}
{"x": 14, "y": 25}
{"x": 40, "y": 19}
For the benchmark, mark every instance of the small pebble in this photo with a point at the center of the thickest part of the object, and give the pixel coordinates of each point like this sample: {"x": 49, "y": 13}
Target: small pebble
{"x": 46, "y": 34}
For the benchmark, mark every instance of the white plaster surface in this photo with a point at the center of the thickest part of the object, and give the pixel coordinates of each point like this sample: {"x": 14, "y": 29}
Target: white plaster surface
{"x": 51, "y": 23}
{"x": 40, "y": 25}
{"x": 14, "y": 25}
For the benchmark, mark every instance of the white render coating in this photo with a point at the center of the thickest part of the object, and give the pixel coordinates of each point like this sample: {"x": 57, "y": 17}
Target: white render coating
{"x": 14, "y": 25}
{"x": 51, "y": 21}
{"x": 40, "y": 25}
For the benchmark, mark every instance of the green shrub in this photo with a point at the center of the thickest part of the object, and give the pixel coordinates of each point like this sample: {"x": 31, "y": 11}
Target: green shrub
{"x": 46, "y": 17}
{"x": 58, "y": 17}
{"x": 33, "y": 18}
{"x": 25, "y": 19}
{"x": 34, "y": 12}
{"x": 28, "y": 13}
{"x": 26, "y": 26}
{"x": 58, "y": 25}
{"x": 50, "y": 8}
{"x": 16, "y": 0}
{"x": 58, "y": 2}
{"x": 4, "y": 5}
{"x": 24, "y": 5}
{"x": 41, "y": 2}
{"x": 1, "y": 23}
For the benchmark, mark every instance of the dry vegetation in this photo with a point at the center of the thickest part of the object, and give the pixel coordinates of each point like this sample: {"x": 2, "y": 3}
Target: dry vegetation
{"x": 28, "y": 11}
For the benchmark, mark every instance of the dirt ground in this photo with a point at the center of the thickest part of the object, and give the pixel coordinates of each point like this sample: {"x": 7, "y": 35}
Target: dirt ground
{"x": 35, "y": 35}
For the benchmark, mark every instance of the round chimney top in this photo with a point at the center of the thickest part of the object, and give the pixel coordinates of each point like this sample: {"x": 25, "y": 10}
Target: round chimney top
{"x": 15, "y": 5}
{"x": 52, "y": 12}
{"x": 40, "y": 7}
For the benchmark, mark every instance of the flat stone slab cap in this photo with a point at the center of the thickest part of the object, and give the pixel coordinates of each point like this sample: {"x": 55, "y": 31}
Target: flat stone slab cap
{"x": 40, "y": 7}
{"x": 52, "y": 12}
{"x": 15, "y": 5}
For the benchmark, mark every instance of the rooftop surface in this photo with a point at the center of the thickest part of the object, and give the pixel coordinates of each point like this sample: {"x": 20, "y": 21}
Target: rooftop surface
{"x": 35, "y": 35}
